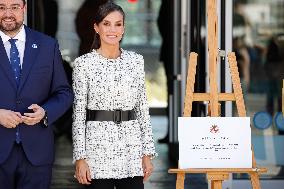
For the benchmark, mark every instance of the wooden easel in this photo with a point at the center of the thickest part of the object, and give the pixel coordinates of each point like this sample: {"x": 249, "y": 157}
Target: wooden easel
{"x": 216, "y": 176}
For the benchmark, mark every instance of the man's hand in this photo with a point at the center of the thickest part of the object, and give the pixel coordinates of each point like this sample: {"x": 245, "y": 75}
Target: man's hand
{"x": 147, "y": 167}
{"x": 82, "y": 173}
{"x": 9, "y": 119}
{"x": 35, "y": 117}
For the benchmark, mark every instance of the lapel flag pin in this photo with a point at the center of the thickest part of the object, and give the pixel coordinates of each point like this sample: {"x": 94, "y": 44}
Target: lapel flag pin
{"x": 34, "y": 46}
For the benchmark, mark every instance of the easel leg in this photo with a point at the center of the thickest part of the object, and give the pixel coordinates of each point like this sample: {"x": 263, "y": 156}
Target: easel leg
{"x": 180, "y": 181}
{"x": 216, "y": 184}
{"x": 254, "y": 178}
{"x": 217, "y": 179}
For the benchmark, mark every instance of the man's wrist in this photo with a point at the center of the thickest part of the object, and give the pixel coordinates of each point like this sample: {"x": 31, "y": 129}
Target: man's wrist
{"x": 45, "y": 119}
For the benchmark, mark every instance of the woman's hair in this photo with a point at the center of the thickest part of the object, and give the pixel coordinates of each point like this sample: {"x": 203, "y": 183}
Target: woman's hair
{"x": 102, "y": 12}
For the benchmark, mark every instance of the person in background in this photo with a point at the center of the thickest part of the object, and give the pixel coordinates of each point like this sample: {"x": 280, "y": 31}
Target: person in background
{"x": 35, "y": 92}
{"x": 165, "y": 25}
{"x": 274, "y": 69}
{"x": 112, "y": 137}
{"x": 84, "y": 24}
{"x": 50, "y": 18}
{"x": 241, "y": 44}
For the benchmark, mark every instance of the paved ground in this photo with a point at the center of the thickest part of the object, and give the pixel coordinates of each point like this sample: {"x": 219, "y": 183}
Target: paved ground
{"x": 160, "y": 179}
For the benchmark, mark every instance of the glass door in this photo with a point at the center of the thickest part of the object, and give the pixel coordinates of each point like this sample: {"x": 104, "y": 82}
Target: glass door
{"x": 258, "y": 41}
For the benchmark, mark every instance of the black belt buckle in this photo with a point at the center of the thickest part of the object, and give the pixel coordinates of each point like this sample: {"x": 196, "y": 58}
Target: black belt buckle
{"x": 117, "y": 116}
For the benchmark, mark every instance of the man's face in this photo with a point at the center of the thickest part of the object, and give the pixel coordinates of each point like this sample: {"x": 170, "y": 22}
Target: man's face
{"x": 11, "y": 16}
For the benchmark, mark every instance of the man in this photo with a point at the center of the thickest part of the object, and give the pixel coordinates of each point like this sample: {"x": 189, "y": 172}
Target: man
{"x": 34, "y": 93}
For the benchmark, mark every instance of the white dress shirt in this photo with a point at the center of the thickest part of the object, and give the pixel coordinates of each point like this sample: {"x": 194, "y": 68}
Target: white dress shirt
{"x": 20, "y": 43}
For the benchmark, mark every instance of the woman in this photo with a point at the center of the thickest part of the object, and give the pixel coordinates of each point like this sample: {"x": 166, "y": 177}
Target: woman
{"x": 113, "y": 141}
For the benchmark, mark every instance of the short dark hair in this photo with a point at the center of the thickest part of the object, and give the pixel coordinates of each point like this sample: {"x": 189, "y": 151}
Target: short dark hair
{"x": 102, "y": 12}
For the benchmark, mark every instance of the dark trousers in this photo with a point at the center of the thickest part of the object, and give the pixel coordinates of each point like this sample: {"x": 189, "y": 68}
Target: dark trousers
{"x": 18, "y": 173}
{"x": 125, "y": 183}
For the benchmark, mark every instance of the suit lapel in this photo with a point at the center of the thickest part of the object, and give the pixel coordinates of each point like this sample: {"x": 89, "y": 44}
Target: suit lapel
{"x": 5, "y": 64}
{"x": 31, "y": 51}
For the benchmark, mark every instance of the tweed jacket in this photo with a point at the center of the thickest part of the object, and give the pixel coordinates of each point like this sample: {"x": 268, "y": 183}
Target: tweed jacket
{"x": 111, "y": 150}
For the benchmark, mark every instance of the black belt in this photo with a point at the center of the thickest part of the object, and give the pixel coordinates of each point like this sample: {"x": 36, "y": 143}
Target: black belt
{"x": 117, "y": 116}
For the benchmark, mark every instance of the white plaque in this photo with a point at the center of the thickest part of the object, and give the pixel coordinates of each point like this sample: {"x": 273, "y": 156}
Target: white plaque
{"x": 214, "y": 142}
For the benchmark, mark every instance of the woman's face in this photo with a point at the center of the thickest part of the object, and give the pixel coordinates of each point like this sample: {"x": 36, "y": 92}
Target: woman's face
{"x": 111, "y": 29}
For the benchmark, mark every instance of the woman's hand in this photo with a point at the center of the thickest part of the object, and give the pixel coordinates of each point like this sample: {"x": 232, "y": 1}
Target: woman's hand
{"x": 82, "y": 172}
{"x": 147, "y": 167}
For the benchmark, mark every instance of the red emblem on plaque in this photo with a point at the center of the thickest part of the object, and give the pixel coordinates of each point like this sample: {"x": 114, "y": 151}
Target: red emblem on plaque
{"x": 214, "y": 129}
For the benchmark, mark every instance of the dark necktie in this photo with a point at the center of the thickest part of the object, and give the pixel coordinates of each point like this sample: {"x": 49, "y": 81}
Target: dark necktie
{"x": 16, "y": 67}
{"x": 15, "y": 60}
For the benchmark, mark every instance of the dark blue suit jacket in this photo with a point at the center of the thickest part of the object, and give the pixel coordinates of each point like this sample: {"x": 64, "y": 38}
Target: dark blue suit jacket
{"x": 42, "y": 82}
